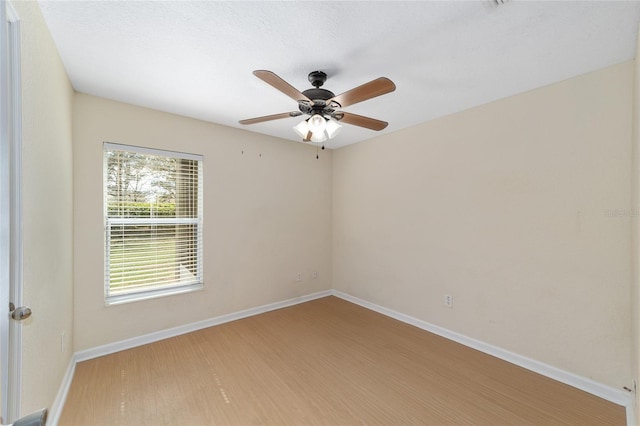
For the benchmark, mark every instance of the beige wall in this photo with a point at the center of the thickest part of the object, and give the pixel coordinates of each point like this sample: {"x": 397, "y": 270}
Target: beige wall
{"x": 267, "y": 216}
{"x": 47, "y": 211}
{"x": 504, "y": 207}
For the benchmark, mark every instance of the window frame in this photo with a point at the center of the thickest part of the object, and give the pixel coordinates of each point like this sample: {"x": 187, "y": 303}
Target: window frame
{"x": 110, "y": 223}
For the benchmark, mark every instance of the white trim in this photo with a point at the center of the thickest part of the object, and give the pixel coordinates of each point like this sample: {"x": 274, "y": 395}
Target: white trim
{"x": 15, "y": 123}
{"x": 603, "y": 391}
{"x": 119, "y": 299}
{"x": 5, "y": 209}
{"x": 110, "y": 146}
{"x": 11, "y": 209}
{"x": 188, "y": 328}
{"x": 631, "y": 414}
{"x": 56, "y": 409}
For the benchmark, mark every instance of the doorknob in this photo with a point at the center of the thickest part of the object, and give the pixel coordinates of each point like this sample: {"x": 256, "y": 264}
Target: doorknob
{"x": 21, "y": 313}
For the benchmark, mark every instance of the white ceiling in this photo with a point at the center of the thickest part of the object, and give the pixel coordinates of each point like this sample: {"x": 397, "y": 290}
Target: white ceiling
{"x": 195, "y": 58}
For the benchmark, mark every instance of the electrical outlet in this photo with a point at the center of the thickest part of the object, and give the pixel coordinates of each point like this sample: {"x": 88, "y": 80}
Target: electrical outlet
{"x": 448, "y": 301}
{"x": 299, "y": 276}
{"x": 314, "y": 275}
{"x": 62, "y": 342}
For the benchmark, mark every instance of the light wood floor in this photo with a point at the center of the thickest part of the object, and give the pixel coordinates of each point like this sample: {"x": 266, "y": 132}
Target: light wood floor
{"x": 323, "y": 362}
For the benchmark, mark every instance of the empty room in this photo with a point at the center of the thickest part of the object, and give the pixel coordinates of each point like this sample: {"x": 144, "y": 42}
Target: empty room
{"x": 319, "y": 212}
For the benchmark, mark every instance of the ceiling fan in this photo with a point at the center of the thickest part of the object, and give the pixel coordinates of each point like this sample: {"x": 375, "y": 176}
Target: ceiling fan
{"x": 321, "y": 105}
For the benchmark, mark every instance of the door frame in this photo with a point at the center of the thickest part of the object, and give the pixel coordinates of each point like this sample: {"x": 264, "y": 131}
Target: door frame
{"x": 10, "y": 211}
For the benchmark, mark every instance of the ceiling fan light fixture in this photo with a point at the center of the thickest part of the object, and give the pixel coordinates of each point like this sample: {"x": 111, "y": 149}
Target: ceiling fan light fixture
{"x": 302, "y": 129}
{"x": 317, "y": 124}
{"x": 320, "y": 127}
{"x": 305, "y": 127}
{"x": 323, "y": 121}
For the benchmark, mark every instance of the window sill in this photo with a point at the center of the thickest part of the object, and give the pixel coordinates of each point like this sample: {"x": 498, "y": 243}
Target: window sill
{"x": 151, "y": 294}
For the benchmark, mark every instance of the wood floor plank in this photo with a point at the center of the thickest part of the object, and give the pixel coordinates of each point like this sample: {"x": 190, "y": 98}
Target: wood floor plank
{"x": 324, "y": 362}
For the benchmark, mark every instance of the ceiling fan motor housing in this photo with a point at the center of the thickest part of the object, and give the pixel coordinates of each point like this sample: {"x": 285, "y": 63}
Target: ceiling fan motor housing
{"x": 317, "y": 78}
{"x": 319, "y": 97}
{"x": 316, "y": 94}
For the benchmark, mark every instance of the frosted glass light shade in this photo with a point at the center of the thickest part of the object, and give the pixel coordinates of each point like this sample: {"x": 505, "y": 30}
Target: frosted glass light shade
{"x": 333, "y": 128}
{"x": 302, "y": 129}
{"x": 317, "y": 123}
{"x": 321, "y": 128}
{"x": 318, "y": 137}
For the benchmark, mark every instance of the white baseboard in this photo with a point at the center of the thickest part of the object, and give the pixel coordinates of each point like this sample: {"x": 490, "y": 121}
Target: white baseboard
{"x": 188, "y": 328}
{"x": 614, "y": 395}
{"x": 631, "y": 415}
{"x": 56, "y": 409}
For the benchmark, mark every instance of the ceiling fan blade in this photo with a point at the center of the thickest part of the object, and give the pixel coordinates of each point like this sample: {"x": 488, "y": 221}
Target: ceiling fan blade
{"x": 272, "y": 79}
{"x": 359, "y": 120}
{"x": 270, "y": 117}
{"x": 377, "y": 87}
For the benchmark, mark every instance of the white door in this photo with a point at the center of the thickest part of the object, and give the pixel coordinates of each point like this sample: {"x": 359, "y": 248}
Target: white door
{"x": 11, "y": 310}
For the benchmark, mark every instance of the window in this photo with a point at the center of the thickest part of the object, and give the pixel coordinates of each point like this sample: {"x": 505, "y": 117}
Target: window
{"x": 153, "y": 222}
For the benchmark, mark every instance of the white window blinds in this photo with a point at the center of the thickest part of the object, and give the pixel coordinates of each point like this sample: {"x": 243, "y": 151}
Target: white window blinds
{"x": 153, "y": 222}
